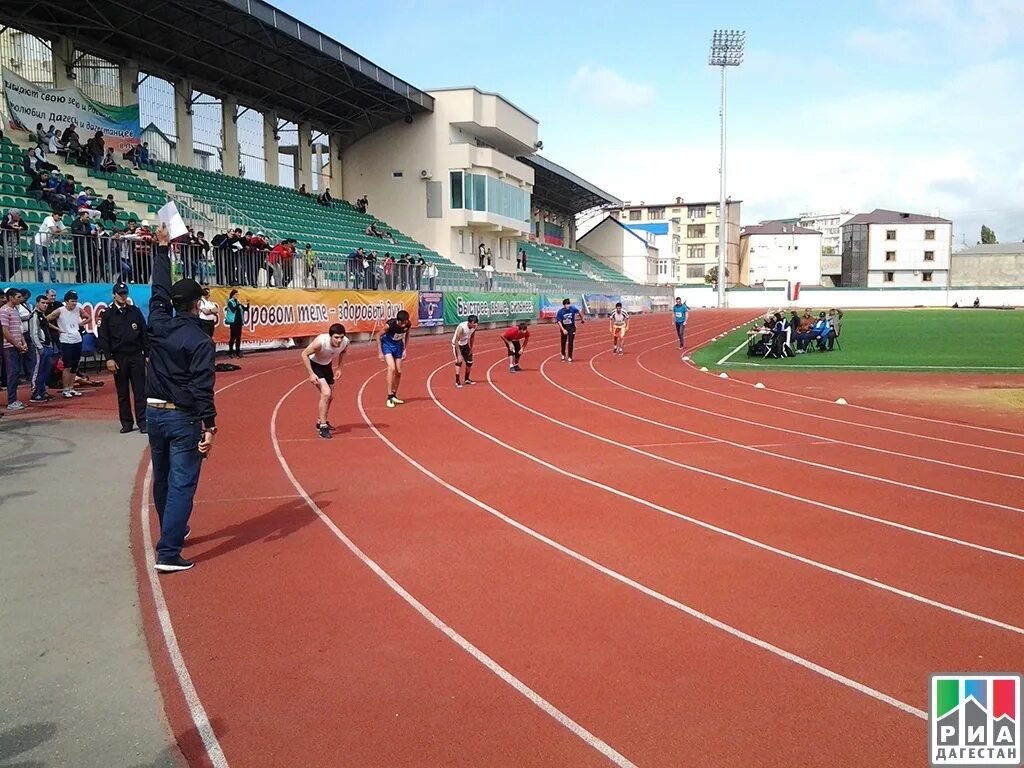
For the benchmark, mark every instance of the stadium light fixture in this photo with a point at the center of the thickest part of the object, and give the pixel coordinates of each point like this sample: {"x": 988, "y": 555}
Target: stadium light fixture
{"x": 726, "y": 51}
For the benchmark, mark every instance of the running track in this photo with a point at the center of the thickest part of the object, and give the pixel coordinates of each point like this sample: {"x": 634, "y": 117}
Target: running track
{"x": 620, "y": 561}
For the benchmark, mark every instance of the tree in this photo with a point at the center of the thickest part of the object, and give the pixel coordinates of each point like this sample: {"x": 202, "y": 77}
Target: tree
{"x": 828, "y": 250}
{"x": 712, "y": 276}
{"x": 988, "y": 237}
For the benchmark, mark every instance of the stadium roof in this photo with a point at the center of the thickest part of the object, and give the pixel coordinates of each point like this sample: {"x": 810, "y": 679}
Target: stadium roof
{"x": 560, "y": 191}
{"x": 242, "y": 48}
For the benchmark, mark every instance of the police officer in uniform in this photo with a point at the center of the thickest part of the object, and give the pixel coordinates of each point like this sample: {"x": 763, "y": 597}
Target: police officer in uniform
{"x": 122, "y": 339}
{"x": 181, "y": 415}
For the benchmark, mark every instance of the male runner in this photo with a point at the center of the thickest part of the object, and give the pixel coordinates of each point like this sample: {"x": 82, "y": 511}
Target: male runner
{"x": 462, "y": 347}
{"x": 394, "y": 340}
{"x": 618, "y": 324}
{"x": 679, "y": 313}
{"x": 322, "y": 359}
{"x": 566, "y": 319}
{"x": 516, "y": 339}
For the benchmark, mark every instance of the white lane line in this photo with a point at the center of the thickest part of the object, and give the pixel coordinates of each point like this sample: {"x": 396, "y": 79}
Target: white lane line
{"x": 709, "y": 526}
{"x": 503, "y": 674}
{"x": 746, "y": 422}
{"x": 623, "y": 579}
{"x": 739, "y": 346}
{"x": 855, "y": 367}
{"x": 755, "y": 449}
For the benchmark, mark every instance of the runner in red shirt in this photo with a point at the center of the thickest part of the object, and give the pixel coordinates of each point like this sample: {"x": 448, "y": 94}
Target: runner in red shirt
{"x": 516, "y": 339}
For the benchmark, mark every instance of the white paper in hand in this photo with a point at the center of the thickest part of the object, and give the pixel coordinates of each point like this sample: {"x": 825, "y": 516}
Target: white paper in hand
{"x": 169, "y": 215}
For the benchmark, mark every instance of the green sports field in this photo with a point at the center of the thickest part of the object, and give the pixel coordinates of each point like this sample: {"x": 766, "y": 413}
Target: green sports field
{"x": 912, "y": 340}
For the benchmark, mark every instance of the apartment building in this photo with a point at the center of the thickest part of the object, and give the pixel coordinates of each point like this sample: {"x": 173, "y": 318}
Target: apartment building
{"x": 892, "y": 248}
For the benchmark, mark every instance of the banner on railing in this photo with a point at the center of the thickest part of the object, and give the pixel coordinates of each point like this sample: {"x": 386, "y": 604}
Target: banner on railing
{"x": 636, "y": 304}
{"x": 489, "y": 307}
{"x": 283, "y": 313}
{"x": 28, "y": 105}
{"x": 550, "y": 304}
{"x": 660, "y": 303}
{"x": 431, "y": 308}
{"x": 599, "y": 303}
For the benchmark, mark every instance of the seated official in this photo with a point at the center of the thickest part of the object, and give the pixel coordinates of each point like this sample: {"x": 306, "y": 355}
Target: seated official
{"x": 802, "y": 334}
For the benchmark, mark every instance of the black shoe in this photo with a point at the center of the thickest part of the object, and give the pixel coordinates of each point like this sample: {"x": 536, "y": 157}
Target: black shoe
{"x": 325, "y": 432}
{"x": 126, "y": 430}
{"x": 470, "y": 381}
{"x": 143, "y": 429}
{"x": 174, "y": 564}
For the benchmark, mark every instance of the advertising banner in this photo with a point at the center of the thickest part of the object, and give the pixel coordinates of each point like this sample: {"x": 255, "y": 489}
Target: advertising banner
{"x": 661, "y": 303}
{"x": 284, "y": 313}
{"x": 489, "y": 307}
{"x": 431, "y": 308}
{"x": 549, "y": 305}
{"x": 599, "y": 303}
{"x": 636, "y": 304}
{"x": 93, "y": 297}
{"x": 28, "y": 104}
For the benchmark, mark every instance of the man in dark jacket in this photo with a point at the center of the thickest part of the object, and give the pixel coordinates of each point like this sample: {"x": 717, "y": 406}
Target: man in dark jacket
{"x": 107, "y": 210}
{"x": 181, "y": 415}
{"x": 122, "y": 339}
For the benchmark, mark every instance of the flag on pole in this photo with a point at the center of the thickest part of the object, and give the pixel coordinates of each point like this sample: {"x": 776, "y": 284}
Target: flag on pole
{"x": 792, "y": 291}
{"x": 169, "y": 215}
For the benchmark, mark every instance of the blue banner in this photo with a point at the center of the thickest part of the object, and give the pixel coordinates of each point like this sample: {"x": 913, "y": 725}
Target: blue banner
{"x": 549, "y": 305}
{"x": 431, "y": 308}
{"x": 599, "y": 303}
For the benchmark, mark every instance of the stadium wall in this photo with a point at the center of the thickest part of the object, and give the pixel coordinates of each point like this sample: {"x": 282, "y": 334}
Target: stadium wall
{"x": 754, "y": 298}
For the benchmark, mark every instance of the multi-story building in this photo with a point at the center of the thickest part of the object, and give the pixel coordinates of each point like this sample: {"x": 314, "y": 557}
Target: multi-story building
{"x": 776, "y": 253}
{"x": 891, "y": 248}
{"x": 686, "y": 233}
{"x": 631, "y": 252}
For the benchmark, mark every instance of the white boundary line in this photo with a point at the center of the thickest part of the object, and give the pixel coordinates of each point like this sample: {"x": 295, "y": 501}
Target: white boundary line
{"x": 701, "y": 523}
{"x": 671, "y": 602}
{"x": 739, "y": 346}
{"x": 869, "y": 408}
{"x": 507, "y": 677}
{"x": 755, "y": 449}
{"x": 870, "y": 368}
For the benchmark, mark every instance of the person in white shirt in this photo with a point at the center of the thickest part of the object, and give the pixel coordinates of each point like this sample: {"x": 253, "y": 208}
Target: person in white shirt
{"x": 431, "y": 274}
{"x": 618, "y": 324}
{"x": 322, "y": 359}
{"x": 489, "y": 276}
{"x": 52, "y": 225}
{"x": 207, "y": 313}
{"x": 462, "y": 348}
{"x": 69, "y": 319}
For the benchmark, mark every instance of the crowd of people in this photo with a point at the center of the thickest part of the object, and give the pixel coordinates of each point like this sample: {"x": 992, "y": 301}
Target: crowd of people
{"x": 777, "y": 335}
{"x": 373, "y": 272}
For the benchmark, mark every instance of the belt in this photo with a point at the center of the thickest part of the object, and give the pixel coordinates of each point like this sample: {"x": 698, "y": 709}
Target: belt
{"x": 163, "y": 406}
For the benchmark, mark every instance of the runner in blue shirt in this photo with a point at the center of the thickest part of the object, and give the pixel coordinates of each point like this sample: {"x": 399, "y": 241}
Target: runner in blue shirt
{"x": 679, "y": 312}
{"x": 566, "y": 319}
{"x": 394, "y": 341}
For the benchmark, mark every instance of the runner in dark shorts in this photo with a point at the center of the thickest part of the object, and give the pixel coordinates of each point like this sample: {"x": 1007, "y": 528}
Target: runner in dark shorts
{"x": 516, "y": 339}
{"x": 322, "y": 359}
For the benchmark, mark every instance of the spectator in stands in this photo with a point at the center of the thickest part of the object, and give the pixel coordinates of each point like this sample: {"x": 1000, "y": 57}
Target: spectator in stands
{"x": 431, "y": 274}
{"x": 390, "y": 238}
{"x": 389, "y": 272}
{"x": 482, "y": 254}
{"x": 361, "y": 204}
{"x": 489, "y": 275}
{"x": 256, "y": 248}
{"x": 41, "y": 163}
{"x": 417, "y": 271}
{"x": 372, "y": 230}
{"x": 519, "y": 259}
{"x": 14, "y": 346}
{"x": 370, "y": 279}
{"x": 108, "y": 210}
{"x": 403, "y": 272}
{"x": 43, "y": 241}
{"x": 309, "y": 261}
{"x": 355, "y": 261}
{"x": 70, "y": 141}
{"x": 53, "y": 144}
{"x": 302, "y": 190}
{"x": 84, "y": 245}
{"x": 45, "y": 349}
{"x": 201, "y": 257}
{"x": 11, "y": 227}
{"x": 328, "y": 200}
{"x": 288, "y": 264}
{"x": 524, "y": 259}
{"x": 96, "y": 150}
{"x": 145, "y": 159}
{"x": 42, "y": 138}
{"x": 274, "y": 263}
{"x": 109, "y": 164}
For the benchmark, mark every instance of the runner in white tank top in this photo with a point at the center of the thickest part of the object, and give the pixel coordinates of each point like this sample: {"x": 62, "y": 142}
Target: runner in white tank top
{"x": 322, "y": 359}
{"x": 462, "y": 348}
{"x": 618, "y": 324}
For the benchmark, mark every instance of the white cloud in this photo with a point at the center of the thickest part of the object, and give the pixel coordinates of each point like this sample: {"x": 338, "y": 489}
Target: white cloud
{"x": 886, "y": 44}
{"x": 609, "y": 90}
{"x": 973, "y": 25}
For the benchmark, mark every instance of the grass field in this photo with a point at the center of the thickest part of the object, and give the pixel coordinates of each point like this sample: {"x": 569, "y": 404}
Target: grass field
{"x": 912, "y": 340}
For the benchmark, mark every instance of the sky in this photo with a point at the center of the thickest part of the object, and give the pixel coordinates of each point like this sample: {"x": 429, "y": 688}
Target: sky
{"x": 912, "y": 105}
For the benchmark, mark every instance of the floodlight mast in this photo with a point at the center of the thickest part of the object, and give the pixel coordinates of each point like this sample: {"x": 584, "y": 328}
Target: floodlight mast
{"x": 726, "y": 51}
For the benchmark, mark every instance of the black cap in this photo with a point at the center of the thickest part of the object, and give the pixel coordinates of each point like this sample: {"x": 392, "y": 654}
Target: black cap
{"x": 120, "y": 287}
{"x": 70, "y": 295}
{"x": 186, "y": 289}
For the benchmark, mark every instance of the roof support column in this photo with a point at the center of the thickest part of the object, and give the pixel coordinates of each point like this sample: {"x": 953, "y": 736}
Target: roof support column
{"x": 304, "y": 156}
{"x": 63, "y": 49}
{"x": 334, "y": 166}
{"x": 273, "y": 169}
{"x": 229, "y": 129}
{"x": 128, "y": 79}
{"x": 185, "y": 154}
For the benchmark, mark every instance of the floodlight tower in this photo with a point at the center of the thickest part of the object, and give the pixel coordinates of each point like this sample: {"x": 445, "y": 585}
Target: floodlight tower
{"x": 726, "y": 51}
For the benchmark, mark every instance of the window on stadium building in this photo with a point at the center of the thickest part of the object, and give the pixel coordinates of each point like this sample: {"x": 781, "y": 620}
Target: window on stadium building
{"x": 694, "y": 270}
{"x": 456, "y": 182}
{"x": 476, "y": 192}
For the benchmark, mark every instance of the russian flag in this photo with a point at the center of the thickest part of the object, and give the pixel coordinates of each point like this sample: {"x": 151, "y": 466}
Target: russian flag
{"x": 792, "y": 291}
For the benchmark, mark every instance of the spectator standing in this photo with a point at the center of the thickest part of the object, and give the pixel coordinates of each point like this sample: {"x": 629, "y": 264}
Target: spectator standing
{"x": 122, "y": 339}
{"x": 482, "y": 254}
{"x": 403, "y": 272}
{"x": 524, "y": 259}
{"x": 431, "y": 274}
{"x": 28, "y": 360}
{"x": 519, "y": 259}
{"x": 234, "y": 316}
{"x": 14, "y": 346}
{"x": 207, "y": 313}
{"x": 489, "y": 276}
{"x": 389, "y": 272}
{"x": 288, "y": 264}
{"x": 11, "y": 227}
{"x": 84, "y": 245}
{"x": 41, "y": 340}
{"x": 96, "y": 150}
{"x": 309, "y": 261}
{"x": 70, "y": 319}
{"x": 361, "y": 204}
{"x": 181, "y": 415}
{"x": 275, "y": 265}
{"x": 418, "y": 271}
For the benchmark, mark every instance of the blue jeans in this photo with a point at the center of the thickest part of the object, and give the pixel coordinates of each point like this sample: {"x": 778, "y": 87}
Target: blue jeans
{"x": 173, "y": 442}
{"x": 41, "y": 370}
{"x": 12, "y": 363}
{"x": 681, "y": 332}
{"x": 43, "y": 262}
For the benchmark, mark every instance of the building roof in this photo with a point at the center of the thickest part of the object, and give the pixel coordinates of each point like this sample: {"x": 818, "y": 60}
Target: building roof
{"x": 996, "y": 249}
{"x": 560, "y": 191}
{"x": 247, "y": 49}
{"x": 623, "y": 226}
{"x": 776, "y": 228}
{"x": 883, "y": 216}
{"x": 679, "y": 203}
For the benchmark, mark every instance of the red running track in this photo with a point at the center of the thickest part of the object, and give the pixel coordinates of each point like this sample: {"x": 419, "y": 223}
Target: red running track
{"x": 615, "y": 561}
